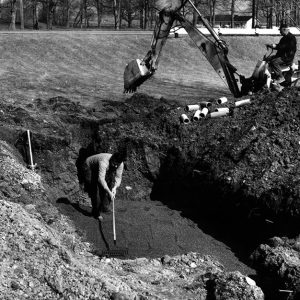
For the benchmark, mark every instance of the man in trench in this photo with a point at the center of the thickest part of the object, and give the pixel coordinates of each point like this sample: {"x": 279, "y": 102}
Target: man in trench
{"x": 102, "y": 176}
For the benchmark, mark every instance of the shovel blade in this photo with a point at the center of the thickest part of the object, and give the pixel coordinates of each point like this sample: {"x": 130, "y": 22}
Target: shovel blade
{"x": 134, "y": 75}
{"x": 115, "y": 253}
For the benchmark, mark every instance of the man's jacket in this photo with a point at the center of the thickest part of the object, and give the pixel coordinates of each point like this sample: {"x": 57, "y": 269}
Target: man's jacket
{"x": 286, "y": 48}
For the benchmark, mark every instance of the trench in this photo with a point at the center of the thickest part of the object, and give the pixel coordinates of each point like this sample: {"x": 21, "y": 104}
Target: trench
{"x": 165, "y": 215}
{"x": 168, "y": 204}
{"x": 165, "y": 223}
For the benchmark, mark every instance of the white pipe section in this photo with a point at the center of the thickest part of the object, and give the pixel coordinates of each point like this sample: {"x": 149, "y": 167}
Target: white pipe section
{"x": 30, "y": 150}
{"x": 204, "y": 112}
{"x": 184, "y": 119}
{"x": 197, "y": 116}
{"x": 192, "y": 107}
{"x": 242, "y": 102}
{"x": 217, "y": 114}
{"x": 205, "y": 104}
{"x": 222, "y": 100}
{"x": 226, "y": 109}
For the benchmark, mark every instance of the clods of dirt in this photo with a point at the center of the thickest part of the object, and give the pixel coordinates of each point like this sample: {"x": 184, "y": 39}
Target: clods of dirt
{"x": 49, "y": 260}
{"x": 278, "y": 261}
{"x": 241, "y": 169}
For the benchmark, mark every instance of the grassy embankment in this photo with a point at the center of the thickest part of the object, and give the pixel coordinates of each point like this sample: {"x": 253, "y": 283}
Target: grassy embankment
{"x": 88, "y": 67}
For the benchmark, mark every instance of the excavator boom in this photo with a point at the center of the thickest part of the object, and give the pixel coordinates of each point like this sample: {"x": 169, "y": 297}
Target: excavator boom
{"x": 137, "y": 71}
{"x": 215, "y": 53}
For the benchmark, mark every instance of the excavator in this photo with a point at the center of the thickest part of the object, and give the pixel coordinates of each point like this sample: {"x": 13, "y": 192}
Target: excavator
{"x": 212, "y": 47}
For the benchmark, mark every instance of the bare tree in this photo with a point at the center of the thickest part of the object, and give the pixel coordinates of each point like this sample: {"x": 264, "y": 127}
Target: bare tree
{"x": 128, "y": 13}
{"x": 117, "y": 13}
{"x": 66, "y": 12}
{"x": 50, "y": 6}
{"x": 270, "y": 15}
{"x": 22, "y": 14}
{"x": 232, "y": 13}
{"x": 84, "y": 14}
{"x": 99, "y": 8}
{"x": 253, "y": 13}
{"x": 195, "y": 15}
{"x": 35, "y": 20}
{"x": 13, "y": 13}
{"x": 212, "y": 11}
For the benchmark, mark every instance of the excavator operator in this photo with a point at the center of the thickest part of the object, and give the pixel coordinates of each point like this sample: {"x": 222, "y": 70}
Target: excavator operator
{"x": 286, "y": 49}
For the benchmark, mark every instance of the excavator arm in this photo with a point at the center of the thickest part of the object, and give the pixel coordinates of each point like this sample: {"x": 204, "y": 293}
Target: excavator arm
{"x": 214, "y": 51}
{"x": 137, "y": 71}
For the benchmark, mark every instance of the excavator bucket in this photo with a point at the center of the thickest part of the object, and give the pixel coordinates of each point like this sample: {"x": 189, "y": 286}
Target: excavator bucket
{"x": 136, "y": 72}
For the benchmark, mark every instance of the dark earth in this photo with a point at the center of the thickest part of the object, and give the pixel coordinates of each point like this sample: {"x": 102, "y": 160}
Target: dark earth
{"x": 225, "y": 187}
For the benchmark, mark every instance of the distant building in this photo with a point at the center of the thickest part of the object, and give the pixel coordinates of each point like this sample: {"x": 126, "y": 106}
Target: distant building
{"x": 224, "y": 21}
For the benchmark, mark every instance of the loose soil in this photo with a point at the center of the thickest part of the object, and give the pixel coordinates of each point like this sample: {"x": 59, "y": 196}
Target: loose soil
{"x": 218, "y": 186}
{"x": 50, "y": 256}
{"x": 151, "y": 229}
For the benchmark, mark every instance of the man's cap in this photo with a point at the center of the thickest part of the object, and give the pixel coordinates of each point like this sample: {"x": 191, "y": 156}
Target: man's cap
{"x": 283, "y": 26}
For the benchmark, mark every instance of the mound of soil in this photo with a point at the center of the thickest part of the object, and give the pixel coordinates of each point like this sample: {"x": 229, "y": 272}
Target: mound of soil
{"x": 246, "y": 161}
{"x": 278, "y": 263}
{"x": 231, "y": 175}
{"x": 43, "y": 257}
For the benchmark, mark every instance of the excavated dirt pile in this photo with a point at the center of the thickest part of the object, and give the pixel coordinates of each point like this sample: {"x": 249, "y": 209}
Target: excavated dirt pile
{"x": 236, "y": 173}
{"x": 247, "y": 161}
{"x": 278, "y": 263}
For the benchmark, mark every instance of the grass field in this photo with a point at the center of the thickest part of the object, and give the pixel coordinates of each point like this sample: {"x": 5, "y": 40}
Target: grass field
{"x": 89, "y": 67}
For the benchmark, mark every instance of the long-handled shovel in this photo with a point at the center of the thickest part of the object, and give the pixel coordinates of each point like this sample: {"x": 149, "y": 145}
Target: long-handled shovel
{"x": 121, "y": 252}
{"x": 114, "y": 221}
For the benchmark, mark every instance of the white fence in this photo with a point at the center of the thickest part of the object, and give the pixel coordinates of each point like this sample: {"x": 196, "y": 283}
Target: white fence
{"x": 238, "y": 31}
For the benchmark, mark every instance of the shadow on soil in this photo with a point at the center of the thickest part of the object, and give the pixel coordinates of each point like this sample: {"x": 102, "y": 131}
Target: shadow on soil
{"x": 212, "y": 212}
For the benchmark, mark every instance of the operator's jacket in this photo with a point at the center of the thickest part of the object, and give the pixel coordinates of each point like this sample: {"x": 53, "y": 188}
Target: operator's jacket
{"x": 286, "y": 48}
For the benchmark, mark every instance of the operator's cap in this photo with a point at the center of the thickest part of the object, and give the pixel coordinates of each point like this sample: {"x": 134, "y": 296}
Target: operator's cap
{"x": 283, "y": 26}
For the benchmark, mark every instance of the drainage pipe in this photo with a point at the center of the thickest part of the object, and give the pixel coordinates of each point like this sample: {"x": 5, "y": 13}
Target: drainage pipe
{"x": 225, "y": 109}
{"x": 222, "y": 100}
{"x": 242, "y": 102}
{"x": 184, "y": 119}
{"x": 204, "y": 112}
{"x": 205, "y": 104}
{"x": 217, "y": 114}
{"x": 197, "y": 116}
{"x": 192, "y": 107}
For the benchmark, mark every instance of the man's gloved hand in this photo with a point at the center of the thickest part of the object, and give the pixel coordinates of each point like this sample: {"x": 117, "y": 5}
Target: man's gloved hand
{"x": 114, "y": 191}
{"x": 272, "y": 46}
{"x": 111, "y": 195}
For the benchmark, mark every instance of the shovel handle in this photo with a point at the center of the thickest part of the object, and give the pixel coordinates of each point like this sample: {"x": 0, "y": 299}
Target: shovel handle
{"x": 30, "y": 150}
{"x": 114, "y": 221}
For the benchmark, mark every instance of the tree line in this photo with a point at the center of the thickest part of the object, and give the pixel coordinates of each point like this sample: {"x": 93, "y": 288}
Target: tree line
{"x": 138, "y": 13}
{"x": 276, "y": 12}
